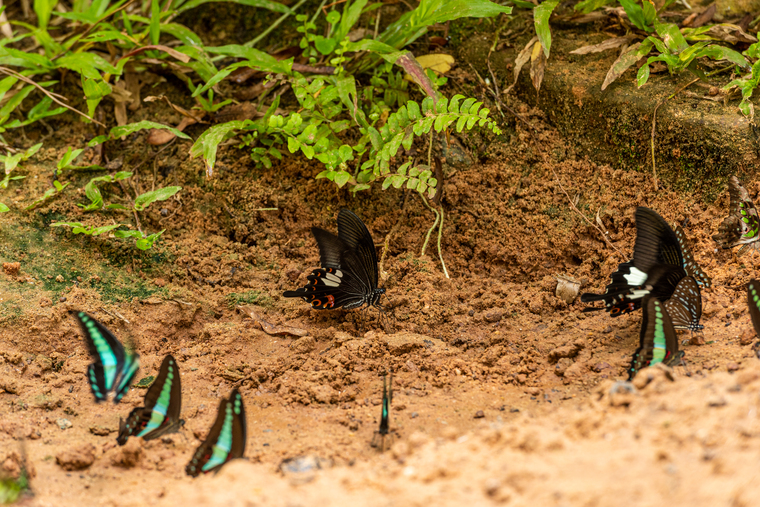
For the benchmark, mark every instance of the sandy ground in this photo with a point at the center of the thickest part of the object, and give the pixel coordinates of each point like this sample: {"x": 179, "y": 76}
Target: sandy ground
{"x": 503, "y": 394}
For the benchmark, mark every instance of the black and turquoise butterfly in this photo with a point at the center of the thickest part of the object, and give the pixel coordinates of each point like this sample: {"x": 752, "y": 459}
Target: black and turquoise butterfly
{"x": 162, "y": 406}
{"x": 657, "y": 342}
{"x": 225, "y": 441}
{"x": 753, "y": 301}
{"x": 656, "y": 268}
{"x": 685, "y": 305}
{"x": 114, "y": 368}
{"x": 742, "y": 225}
{"x": 689, "y": 264}
{"x": 381, "y": 434}
{"x": 348, "y": 277}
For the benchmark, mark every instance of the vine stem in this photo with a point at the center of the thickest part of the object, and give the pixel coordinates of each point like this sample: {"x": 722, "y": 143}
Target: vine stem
{"x": 440, "y": 255}
{"x": 430, "y": 231}
{"x": 274, "y": 25}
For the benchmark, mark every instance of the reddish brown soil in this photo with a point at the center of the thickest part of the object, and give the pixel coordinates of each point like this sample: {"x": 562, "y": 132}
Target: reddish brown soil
{"x": 493, "y": 338}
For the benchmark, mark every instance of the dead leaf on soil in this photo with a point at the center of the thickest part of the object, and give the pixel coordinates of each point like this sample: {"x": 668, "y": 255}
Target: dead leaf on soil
{"x": 732, "y": 34}
{"x": 624, "y": 61}
{"x": 158, "y": 137}
{"x": 272, "y": 329}
{"x": 520, "y": 61}
{"x": 537, "y": 65}
{"x": 439, "y": 63}
{"x": 612, "y": 43}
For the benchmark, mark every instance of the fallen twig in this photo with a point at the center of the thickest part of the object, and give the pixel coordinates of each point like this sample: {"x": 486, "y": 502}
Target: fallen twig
{"x": 53, "y": 96}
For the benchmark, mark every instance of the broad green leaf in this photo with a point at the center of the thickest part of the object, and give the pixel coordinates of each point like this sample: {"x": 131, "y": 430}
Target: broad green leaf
{"x": 351, "y": 13}
{"x": 4, "y": 208}
{"x": 671, "y": 35}
{"x": 642, "y": 75}
{"x": 142, "y": 201}
{"x": 723, "y": 53}
{"x": 541, "y": 21}
{"x": 342, "y": 178}
{"x": 131, "y": 128}
{"x": 636, "y": 14}
{"x": 43, "y": 9}
{"x": 15, "y": 101}
{"x": 208, "y": 142}
{"x": 155, "y": 21}
{"x": 183, "y": 33}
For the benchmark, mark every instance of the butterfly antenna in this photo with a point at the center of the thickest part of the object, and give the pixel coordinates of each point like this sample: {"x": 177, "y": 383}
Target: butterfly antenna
{"x": 685, "y": 367}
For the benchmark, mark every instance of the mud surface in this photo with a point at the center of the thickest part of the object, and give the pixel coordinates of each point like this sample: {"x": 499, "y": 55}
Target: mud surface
{"x": 503, "y": 394}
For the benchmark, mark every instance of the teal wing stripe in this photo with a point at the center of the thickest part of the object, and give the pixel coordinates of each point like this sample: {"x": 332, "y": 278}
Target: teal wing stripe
{"x": 107, "y": 357}
{"x": 221, "y": 450}
{"x": 158, "y": 416}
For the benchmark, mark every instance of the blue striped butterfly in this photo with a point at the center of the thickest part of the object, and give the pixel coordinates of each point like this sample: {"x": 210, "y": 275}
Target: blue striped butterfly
{"x": 742, "y": 225}
{"x": 381, "y": 434}
{"x": 685, "y": 305}
{"x": 114, "y": 368}
{"x": 162, "y": 407}
{"x": 348, "y": 277}
{"x": 657, "y": 342}
{"x": 656, "y": 268}
{"x": 693, "y": 269}
{"x": 225, "y": 440}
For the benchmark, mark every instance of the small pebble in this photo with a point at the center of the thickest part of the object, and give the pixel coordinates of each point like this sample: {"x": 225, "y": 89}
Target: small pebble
{"x": 63, "y": 299}
{"x": 414, "y": 415}
{"x": 479, "y": 414}
{"x": 63, "y": 423}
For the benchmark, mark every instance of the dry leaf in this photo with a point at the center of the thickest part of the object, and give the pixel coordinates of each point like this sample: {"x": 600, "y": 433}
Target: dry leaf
{"x": 522, "y": 59}
{"x": 5, "y": 27}
{"x": 732, "y": 34}
{"x": 272, "y": 329}
{"x": 537, "y": 66}
{"x": 134, "y": 84}
{"x": 439, "y": 63}
{"x": 612, "y": 43}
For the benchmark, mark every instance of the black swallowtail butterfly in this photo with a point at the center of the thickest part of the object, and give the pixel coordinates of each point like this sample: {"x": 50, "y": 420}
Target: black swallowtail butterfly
{"x": 656, "y": 268}
{"x": 348, "y": 276}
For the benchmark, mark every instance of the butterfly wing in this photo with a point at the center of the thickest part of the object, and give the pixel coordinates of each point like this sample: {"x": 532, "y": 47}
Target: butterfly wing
{"x": 162, "y": 406}
{"x": 114, "y": 368}
{"x": 331, "y": 248}
{"x": 689, "y": 264}
{"x": 356, "y": 236}
{"x": 742, "y": 225}
{"x": 657, "y": 341}
{"x": 656, "y": 243}
{"x": 624, "y": 293}
{"x": 349, "y": 267}
{"x": 226, "y": 439}
{"x": 685, "y": 305}
{"x": 753, "y": 300}
{"x": 385, "y": 411}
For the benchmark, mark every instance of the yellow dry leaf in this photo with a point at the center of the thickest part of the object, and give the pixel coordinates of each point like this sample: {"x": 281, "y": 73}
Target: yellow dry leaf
{"x": 438, "y": 63}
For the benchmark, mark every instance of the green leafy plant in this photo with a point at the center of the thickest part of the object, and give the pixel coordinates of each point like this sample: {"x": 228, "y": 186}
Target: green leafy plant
{"x": 92, "y": 191}
{"x": 4, "y": 208}
{"x": 12, "y": 161}
{"x": 142, "y": 241}
{"x": 353, "y": 132}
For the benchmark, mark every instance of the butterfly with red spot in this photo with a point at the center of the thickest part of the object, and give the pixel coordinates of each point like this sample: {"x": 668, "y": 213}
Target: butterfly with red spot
{"x": 348, "y": 277}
